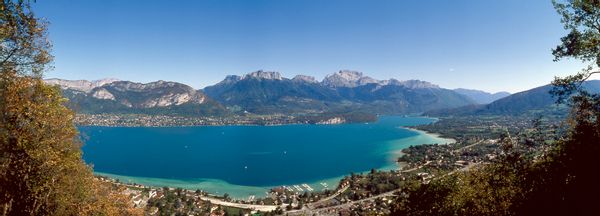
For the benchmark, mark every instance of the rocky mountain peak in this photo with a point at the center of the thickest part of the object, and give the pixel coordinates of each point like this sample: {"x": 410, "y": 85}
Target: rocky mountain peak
{"x": 271, "y": 75}
{"x": 343, "y": 78}
{"x": 349, "y": 75}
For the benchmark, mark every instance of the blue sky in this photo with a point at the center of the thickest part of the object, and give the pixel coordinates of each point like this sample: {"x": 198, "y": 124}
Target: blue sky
{"x": 489, "y": 45}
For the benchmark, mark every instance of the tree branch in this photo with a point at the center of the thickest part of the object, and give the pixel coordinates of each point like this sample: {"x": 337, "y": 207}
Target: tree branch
{"x": 590, "y": 74}
{"x": 586, "y": 77}
{"x": 12, "y": 52}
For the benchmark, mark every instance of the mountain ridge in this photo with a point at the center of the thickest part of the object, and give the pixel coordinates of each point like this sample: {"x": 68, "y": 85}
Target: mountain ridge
{"x": 81, "y": 85}
{"x": 343, "y": 90}
{"x": 532, "y": 101}
{"x": 159, "y": 97}
{"x": 264, "y": 92}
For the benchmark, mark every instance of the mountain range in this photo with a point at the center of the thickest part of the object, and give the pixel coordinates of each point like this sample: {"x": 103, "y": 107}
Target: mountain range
{"x": 161, "y": 97}
{"x": 268, "y": 92}
{"x": 536, "y": 100}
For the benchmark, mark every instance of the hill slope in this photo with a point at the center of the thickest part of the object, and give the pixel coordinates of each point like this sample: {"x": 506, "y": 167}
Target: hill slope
{"x": 535, "y": 100}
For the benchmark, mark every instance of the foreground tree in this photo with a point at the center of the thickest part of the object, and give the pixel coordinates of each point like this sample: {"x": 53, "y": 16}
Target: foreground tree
{"x": 24, "y": 46}
{"x": 41, "y": 170}
{"x": 574, "y": 165}
{"x": 564, "y": 180}
{"x": 582, "y": 19}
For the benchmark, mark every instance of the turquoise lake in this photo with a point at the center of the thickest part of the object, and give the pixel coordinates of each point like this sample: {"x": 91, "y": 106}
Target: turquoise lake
{"x": 249, "y": 160}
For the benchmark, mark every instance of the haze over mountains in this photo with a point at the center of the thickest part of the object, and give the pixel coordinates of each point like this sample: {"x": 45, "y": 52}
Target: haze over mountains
{"x": 533, "y": 101}
{"x": 267, "y": 92}
{"x": 482, "y": 97}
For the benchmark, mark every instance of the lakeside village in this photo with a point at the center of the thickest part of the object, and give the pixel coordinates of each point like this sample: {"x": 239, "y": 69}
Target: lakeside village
{"x": 478, "y": 139}
{"x": 143, "y": 120}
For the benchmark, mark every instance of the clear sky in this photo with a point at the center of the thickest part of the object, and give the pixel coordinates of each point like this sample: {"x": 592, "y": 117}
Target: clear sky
{"x": 489, "y": 45}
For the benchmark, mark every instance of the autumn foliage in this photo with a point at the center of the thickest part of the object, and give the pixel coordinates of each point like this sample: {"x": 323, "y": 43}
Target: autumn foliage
{"x": 41, "y": 166}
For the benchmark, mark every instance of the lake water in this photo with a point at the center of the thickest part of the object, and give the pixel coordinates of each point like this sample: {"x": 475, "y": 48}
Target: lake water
{"x": 248, "y": 160}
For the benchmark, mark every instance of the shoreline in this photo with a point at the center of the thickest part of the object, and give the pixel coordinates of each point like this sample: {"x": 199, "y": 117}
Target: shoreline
{"x": 291, "y": 122}
{"x": 133, "y": 120}
{"x": 208, "y": 185}
{"x": 395, "y": 154}
{"x": 214, "y": 125}
{"x": 435, "y": 135}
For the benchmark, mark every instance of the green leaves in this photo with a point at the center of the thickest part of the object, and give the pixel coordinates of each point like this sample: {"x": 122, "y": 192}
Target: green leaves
{"x": 582, "y": 19}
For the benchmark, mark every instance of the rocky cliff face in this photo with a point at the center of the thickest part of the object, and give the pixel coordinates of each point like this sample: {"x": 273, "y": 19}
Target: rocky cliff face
{"x": 270, "y": 75}
{"x": 351, "y": 79}
{"x": 132, "y": 94}
{"x": 346, "y": 78}
{"x": 103, "y": 94}
{"x": 79, "y": 85}
{"x": 154, "y": 94}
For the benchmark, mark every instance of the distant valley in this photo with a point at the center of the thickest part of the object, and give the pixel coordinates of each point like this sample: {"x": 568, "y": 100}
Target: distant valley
{"x": 534, "y": 101}
{"x": 481, "y": 97}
